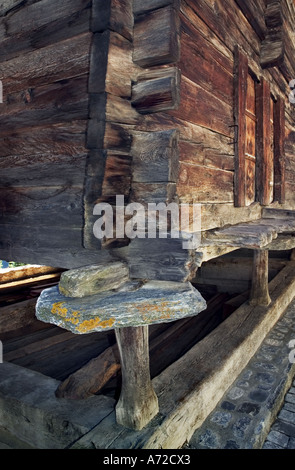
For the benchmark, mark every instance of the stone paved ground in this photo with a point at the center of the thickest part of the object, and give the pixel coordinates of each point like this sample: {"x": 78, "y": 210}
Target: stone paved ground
{"x": 243, "y": 418}
{"x": 282, "y": 433}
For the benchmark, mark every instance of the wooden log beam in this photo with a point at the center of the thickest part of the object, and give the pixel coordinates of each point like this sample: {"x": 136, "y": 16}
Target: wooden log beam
{"x": 259, "y": 291}
{"x": 140, "y": 7}
{"x": 17, "y": 315}
{"x": 138, "y": 403}
{"x": 255, "y": 15}
{"x": 156, "y": 37}
{"x": 25, "y": 283}
{"x": 92, "y": 377}
{"x": 273, "y": 45}
{"x": 157, "y": 91}
{"x": 155, "y": 157}
{"x": 278, "y": 214}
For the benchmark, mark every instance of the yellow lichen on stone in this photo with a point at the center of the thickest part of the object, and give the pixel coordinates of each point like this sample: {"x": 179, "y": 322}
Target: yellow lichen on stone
{"x": 160, "y": 310}
{"x": 58, "y": 309}
{"x": 88, "y": 325}
{"x": 74, "y": 319}
{"x": 107, "y": 323}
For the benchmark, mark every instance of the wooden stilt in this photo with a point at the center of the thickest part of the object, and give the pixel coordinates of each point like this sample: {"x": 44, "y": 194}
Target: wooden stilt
{"x": 138, "y": 403}
{"x": 259, "y": 292}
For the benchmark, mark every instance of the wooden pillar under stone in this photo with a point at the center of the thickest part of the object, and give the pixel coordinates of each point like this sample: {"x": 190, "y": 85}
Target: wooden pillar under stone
{"x": 259, "y": 291}
{"x": 138, "y": 403}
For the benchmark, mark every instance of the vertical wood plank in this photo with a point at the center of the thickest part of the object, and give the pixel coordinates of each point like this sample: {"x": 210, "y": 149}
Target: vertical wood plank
{"x": 263, "y": 146}
{"x": 279, "y": 151}
{"x": 250, "y": 149}
{"x": 240, "y": 82}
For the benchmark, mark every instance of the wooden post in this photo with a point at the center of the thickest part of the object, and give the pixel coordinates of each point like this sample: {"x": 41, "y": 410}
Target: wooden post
{"x": 138, "y": 403}
{"x": 259, "y": 292}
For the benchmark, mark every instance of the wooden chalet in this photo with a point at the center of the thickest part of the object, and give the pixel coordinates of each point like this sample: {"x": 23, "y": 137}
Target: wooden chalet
{"x": 186, "y": 101}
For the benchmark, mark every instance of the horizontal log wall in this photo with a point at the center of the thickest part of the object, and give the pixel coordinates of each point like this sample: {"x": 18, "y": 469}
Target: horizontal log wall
{"x": 66, "y": 69}
{"x": 204, "y": 117}
{"x": 44, "y": 68}
{"x": 86, "y": 82}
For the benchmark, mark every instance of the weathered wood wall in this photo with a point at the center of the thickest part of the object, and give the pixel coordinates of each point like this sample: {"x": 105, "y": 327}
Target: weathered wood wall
{"x": 208, "y": 34}
{"x": 44, "y": 67}
{"x": 132, "y": 98}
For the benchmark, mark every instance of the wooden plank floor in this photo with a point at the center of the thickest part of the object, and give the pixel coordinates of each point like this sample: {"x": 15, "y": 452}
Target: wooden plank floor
{"x": 54, "y": 351}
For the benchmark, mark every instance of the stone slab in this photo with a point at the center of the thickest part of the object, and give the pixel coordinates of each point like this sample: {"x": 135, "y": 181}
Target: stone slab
{"x": 150, "y": 303}
{"x": 89, "y": 280}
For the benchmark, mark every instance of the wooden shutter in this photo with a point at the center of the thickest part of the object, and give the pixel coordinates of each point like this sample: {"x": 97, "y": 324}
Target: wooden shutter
{"x": 279, "y": 151}
{"x": 245, "y": 121}
{"x": 270, "y": 146}
{"x": 250, "y": 149}
{"x": 265, "y": 160}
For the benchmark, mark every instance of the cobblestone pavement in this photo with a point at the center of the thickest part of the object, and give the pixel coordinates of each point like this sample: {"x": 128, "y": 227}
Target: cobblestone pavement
{"x": 282, "y": 433}
{"x": 256, "y": 412}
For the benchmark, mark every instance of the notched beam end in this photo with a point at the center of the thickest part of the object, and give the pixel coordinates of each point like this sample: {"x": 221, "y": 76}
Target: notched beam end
{"x": 157, "y": 91}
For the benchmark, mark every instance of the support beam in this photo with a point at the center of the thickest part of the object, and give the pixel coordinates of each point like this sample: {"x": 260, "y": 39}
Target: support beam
{"x": 138, "y": 403}
{"x": 259, "y": 291}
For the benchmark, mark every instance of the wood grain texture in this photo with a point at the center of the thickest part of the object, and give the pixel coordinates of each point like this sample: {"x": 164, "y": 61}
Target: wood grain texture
{"x": 138, "y": 403}
{"x": 240, "y": 80}
{"x": 157, "y": 91}
{"x": 139, "y": 7}
{"x": 254, "y": 12}
{"x": 113, "y": 14}
{"x": 279, "y": 151}
{"x": 156, "y": 38}
{"x": 46, "y": 65}
{"x": 259, "y": 290}
{"x": 265, "y": 164}
{"x": 155, "y": 157}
